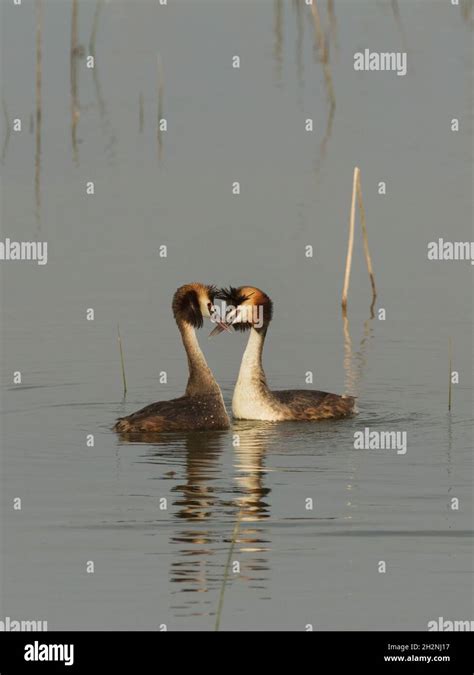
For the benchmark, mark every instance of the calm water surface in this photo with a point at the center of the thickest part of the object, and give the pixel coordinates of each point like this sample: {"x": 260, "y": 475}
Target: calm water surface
{"x": 102, "y": 504}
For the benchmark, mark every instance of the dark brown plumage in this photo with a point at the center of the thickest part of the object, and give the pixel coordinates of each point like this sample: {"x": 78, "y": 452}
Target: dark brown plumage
{"x": 186, "y": 413}
{"x": 202, "y": 407}
{"x": 247, "y": 296}
{"x": 186, "y": 303}
{"x": 304, "y": 404}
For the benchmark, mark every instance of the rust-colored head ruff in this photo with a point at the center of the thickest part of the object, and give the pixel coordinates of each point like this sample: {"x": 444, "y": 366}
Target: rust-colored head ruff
{"x": 254, "y": 307}
{"x": 193, "y": 302}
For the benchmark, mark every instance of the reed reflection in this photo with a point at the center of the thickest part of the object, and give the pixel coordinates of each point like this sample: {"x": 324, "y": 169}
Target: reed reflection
{"x": 398, "y": 20}
{"x": 106, "y": 124}
{"x": 278, "y": 31}
{"x": 355, "y": 361}
{"x": 297, "y": 6}
{"x": 333, "y": 22}
{"x": 466, "y": 10}
{"x": 76, "y": 52}
{"x": 321, "y": 48}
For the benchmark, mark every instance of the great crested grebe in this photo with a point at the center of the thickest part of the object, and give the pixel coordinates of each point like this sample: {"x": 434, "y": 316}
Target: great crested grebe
{"x": 202, "y": 406}
{"x": 252, "y": 309}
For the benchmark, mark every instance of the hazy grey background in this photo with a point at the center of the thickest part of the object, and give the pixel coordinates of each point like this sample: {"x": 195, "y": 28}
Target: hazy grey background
{"x": 102, "y": 503}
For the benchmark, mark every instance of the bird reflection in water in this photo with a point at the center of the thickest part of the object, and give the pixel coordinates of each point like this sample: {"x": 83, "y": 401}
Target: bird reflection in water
{"x": 207, "y": 503}
{"x": 251, "y": 441}
{"x": 198, "y": 502}
{"x": 210, "y": 503}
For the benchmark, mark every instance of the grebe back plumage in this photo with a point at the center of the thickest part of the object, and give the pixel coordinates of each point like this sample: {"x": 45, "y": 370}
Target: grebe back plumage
{"x": 202, "y": 406}
{"x": 252, "y": 399}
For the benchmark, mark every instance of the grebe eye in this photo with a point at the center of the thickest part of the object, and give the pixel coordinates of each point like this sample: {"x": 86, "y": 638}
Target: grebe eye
{"x": 209, "y": 306}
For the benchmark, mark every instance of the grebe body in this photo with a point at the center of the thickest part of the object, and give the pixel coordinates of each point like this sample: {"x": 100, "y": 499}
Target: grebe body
{"x": 253, "y": 399}
{"x": 202, "y": 406}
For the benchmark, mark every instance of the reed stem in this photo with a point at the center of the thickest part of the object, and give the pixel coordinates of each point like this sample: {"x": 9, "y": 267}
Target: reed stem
{"x": 350, "y": 243}
{"x": 366, "y": 240}
{"x": 124, "y": 379}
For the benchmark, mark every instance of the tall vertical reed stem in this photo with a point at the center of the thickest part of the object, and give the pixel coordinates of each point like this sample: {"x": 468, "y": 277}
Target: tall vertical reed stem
{"x": 350, "y": 243}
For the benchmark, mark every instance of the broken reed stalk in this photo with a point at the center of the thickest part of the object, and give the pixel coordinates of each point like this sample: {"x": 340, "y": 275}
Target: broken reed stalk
{"x": 366, "y": 240}
{"x": 226, "y": 571}
{"x": 278, "y": 30}
{"x": 450, "y": 388}
{"x": 124, "y": 379}
{"x": 350, "y": 243}
{"x": 357, "y": 192}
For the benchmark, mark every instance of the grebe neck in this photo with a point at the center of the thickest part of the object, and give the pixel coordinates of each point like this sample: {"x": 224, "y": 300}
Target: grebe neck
{"x": 252, "y": 399}
{"x": 251, "y": 369}
{"x": 201, "y": 380}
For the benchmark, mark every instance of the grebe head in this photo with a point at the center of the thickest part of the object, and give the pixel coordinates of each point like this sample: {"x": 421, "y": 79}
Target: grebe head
{"x": 194, "y": 302}
{"x": 246, "y": 307}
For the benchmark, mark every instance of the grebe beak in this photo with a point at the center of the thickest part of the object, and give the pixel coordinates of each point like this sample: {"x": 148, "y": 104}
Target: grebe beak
{"x": 232, "y": 317}
{"x": 220, "y": 327}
